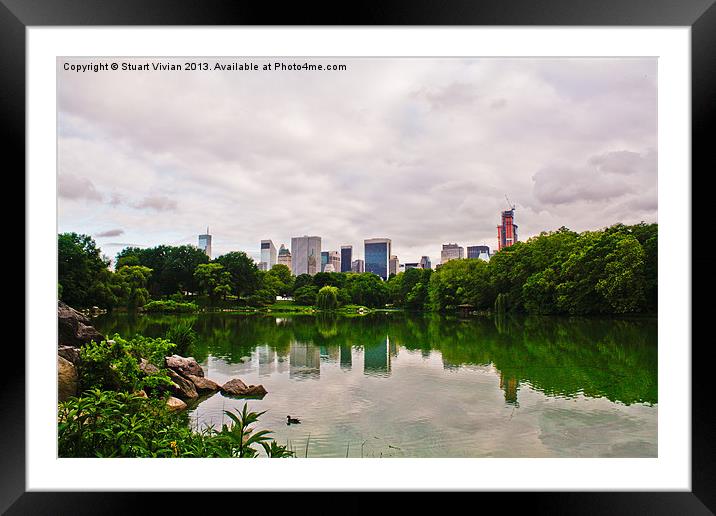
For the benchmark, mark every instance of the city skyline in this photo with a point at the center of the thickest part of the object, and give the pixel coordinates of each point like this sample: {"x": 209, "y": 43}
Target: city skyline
{"x": 421, "y": 150}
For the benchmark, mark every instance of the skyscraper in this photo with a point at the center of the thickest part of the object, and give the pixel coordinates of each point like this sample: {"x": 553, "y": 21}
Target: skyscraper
{"x": 358, "y": 265}
{"x": 205, "y": 243}
{"x": 305, "y": 255}
{"x": 346, "y": 258}
{"x": 324, "y": 260}
{"x": 284, "y": 256}
{"x": 507, "y": 231}
{"x": 268, "y": 254}
{"x": 479, "y": 251}
{"x": 394, "y": 265}
{"x": 425, "y": 263}
{"x": 377, "y": 255}
{"x": 451, "y": 252}
{"x": 334, "y": 258}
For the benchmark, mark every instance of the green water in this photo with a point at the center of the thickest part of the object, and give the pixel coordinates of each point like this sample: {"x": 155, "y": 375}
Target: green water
{"x": 402, "y": 385}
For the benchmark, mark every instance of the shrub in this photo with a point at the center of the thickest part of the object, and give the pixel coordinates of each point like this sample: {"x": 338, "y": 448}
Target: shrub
{"x": 170, "y": 306}
{"x": 182, "y": 335}
{"x": 117, "y": 424}
{"x": 114, "y": 364}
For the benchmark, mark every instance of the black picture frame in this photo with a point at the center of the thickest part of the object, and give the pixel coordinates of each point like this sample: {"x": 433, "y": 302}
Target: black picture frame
{"x": 700, "y": 15}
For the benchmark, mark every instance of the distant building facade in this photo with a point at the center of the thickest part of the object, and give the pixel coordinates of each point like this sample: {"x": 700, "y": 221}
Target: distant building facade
{"x": 479, "y": 251}
{"x": 329, "y": 268}
{"x": 451, "y": 252}
{"x": 324, "y": 260}
{"x": 268, "y": 255}
{"x": 411, "y": 265}
{"x": 205, "y": 243}
{"x": 358, "y": 266}
{"x": 346, "y": 258}
{"x": 425, "y": 263}
{"x": 284, "y": 256}
{"x": 377, "y": 256}
{"x": 507, "y": 231}
{"x": 305, "y": 255}
{"x": 334, "y": 259}
{"x": 393, "y": 265}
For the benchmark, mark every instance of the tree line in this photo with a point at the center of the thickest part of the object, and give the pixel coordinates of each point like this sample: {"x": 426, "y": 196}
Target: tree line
{"x": 613, "y": 270}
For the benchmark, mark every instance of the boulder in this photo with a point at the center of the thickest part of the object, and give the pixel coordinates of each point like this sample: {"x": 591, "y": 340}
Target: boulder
{"x": 203, "y": 384}
{"x": 69, "y": 353}
{"x": 236, "y": 387}
{"x": 175, "y": 404}
{"x": 182, "y": 387}
{"x": 74, "y": 329}
{"x": 184, "y": 365}
{"x": 66, "y": 379}
{"x": 147, "y": 368}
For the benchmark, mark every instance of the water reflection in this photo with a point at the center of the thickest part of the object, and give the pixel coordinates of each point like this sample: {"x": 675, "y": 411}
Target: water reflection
{"x": 563, "y": 357}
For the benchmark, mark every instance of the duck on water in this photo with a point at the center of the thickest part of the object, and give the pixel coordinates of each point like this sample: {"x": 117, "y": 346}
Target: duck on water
{"x": 292, "y": 421}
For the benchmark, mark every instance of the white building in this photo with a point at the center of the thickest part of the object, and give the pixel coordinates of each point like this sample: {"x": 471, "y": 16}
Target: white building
{"x": 268, "y": 255}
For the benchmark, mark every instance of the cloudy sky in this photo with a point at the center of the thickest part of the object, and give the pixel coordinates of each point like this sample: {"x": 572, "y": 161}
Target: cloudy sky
{"x": 422, "y": 151}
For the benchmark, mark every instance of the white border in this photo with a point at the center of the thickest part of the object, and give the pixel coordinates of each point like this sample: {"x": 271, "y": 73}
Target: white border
{"x": 671, "y": 470}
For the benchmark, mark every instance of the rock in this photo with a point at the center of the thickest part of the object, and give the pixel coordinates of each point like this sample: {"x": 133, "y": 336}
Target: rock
{"x": 182, "y": 387}
{"x": 184, "y": 366}
{"x": 147, "y": 368}
{"x": 66, "y": 379}
{"x": 236, "y": 387}
{"x": 140, "y": 394}
{"x": 69, "y": 353}
{"x": 175, "y": 404}
{"x": 203, "y": 384}
{"x": 74, "y": 329}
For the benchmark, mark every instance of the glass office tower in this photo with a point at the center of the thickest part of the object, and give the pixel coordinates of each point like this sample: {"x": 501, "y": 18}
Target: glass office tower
{"x": 346, "y": 258}
{"x": 377, "y": 256}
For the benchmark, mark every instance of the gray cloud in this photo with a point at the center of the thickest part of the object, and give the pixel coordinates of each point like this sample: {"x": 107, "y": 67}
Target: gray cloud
{"x": 110, "y": 233}
{"x": 73, "y": 187}
{"x": 157, "y": 202}
{"x": 422, "y": 151}
{"x": 603, "y": 178}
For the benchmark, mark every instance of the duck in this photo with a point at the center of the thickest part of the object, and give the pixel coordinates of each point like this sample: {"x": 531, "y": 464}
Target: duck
{"x": 292, "y": 421}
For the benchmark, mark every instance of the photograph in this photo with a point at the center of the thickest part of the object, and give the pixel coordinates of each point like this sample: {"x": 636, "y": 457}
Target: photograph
{"x": 357, "y": 257}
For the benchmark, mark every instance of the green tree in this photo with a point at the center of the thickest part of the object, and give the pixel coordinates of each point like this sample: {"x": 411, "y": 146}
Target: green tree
{"x": 279, "y": 279}
{"x": 245, "y": 278}
{"x": 214, "y": 281}
{"x": 132, "y": 284}
{"x": 305, "y": 295}
{"x": 327, "y": 298}
{"x": 83, "y": 272}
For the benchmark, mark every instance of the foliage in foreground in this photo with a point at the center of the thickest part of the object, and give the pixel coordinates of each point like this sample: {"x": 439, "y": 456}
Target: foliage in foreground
{"x": 119, "y": 424}
{"x": 115, "y": 364}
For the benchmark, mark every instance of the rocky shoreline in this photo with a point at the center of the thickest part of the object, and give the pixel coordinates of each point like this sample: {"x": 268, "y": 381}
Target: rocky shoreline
{"x": 187, "y": 376}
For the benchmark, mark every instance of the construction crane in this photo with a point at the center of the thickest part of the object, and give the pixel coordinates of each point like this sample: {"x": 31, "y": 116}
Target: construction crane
{"x": 509, "y": 204}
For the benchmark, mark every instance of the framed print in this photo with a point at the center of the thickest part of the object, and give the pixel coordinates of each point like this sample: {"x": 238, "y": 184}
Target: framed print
{"x": 419, "y": 252}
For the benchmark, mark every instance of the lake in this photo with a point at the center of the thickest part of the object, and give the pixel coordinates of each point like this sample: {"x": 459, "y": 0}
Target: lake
{"x": 392, "y": 384}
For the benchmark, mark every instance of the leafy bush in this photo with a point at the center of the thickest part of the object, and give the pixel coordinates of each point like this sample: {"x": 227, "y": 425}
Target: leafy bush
{"x": 114, "y": 364}
{"x": 170, "y": 306}
{"x": 182, "y": 335}
{"x": 117, "y": 424}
